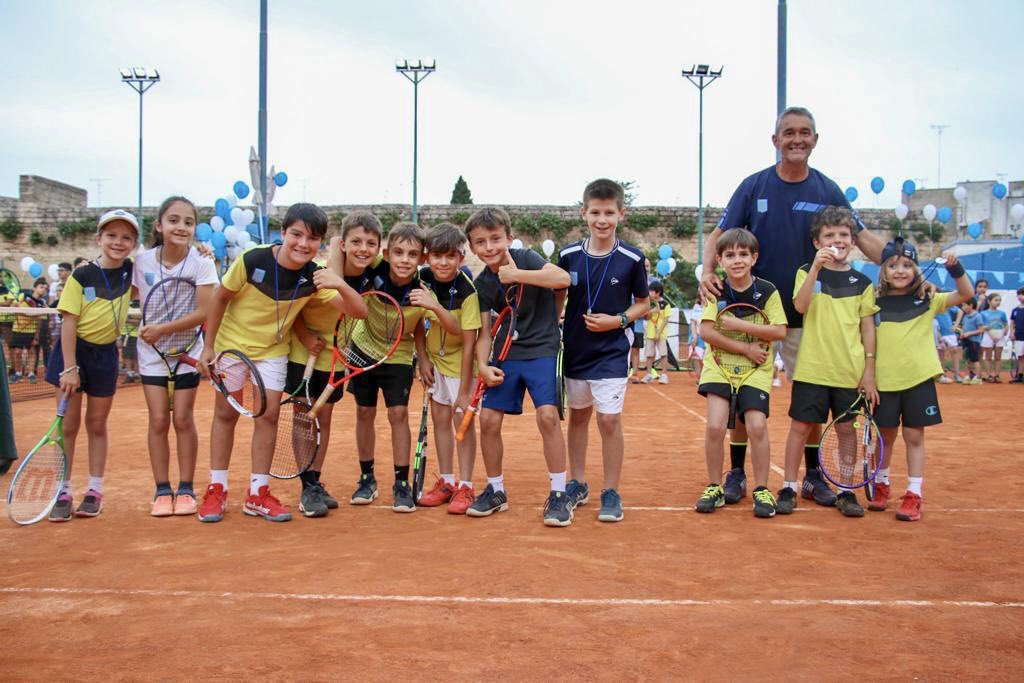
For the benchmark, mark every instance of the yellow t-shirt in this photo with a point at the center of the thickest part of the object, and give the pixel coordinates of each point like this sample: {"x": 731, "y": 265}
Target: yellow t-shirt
{"x": 906, "y": 348}
{"x": 658, "y": 316}
{"x": 26, "y": 324}
{"x": 320, "y": 317}
{"x": 763, "y": 295}
{"x": 100, "y": 299}
{"x": 458, "y": 296}
{"x": 411, "y": 315}
{"x": 831, "y": 351}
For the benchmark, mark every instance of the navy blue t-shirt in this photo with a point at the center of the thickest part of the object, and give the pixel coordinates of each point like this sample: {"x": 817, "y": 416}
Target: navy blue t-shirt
{"x": 780, "y": 213}
{"x": 602, "y": 284}
{"x": 1017, "y": 316}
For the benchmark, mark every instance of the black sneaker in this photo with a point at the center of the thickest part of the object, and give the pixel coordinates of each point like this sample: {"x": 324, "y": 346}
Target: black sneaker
{"x": 814, "y": 488}
{"x": 764, "y": 502}
{"x": 578, "y": 492}
{"x": 488, "y": 502}
{"x": 735, "y": 485}
{"x": 330, "y": 501}
{"x": 712, "y": 499}
{"x": 312, "y": 503}
{"x": 557, "y": 510}
{"x": 61, "y": 510}
{"x": 366, "y": 491}
{"x": 785, "y": 502}
{"x": 848, "y": 505}
{"x": 402, "y": 493}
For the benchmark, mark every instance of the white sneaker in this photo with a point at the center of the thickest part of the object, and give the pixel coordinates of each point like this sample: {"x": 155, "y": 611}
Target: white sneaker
{"x": 945, "y": 380}
{"x": 647, "y": 379}
{"x": 663, "y": 379}
{"x": 776, "y": 382}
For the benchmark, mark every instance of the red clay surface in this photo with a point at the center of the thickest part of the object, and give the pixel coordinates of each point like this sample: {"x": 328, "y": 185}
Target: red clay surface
{"x": 666, "y": 594}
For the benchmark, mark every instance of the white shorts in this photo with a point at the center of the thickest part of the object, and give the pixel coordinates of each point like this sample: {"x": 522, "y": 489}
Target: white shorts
{"x": 272, "y": 371}
{"x": 446, "y": 389}
{"x": 790, "y": 346}
{"x": 607, "y": 395}
{"x": 988, "y": 342}
{"x": 657, "y": 347}
{"x": 150, "y": 364}
{"x": 698, "y": 352}
{"x": 1018, "y": 348}
{"x": 950, "y": 341}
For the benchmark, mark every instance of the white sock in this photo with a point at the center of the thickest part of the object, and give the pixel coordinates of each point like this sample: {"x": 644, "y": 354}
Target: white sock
{"x": 882, "y": 476}
{"x": 66, "y": 487}
{"x": 914, "y": 484}
{"x": 790, "y": 485}
{"x": 497, "y": 483}
{"x": 557, "y": 481}
{"x": 448, "y": 479}
{"x": 467, "y": 484}
{"x": 96, "y": 484}
{"x": 257, "y": 481}
{"x": 219, "y": 477}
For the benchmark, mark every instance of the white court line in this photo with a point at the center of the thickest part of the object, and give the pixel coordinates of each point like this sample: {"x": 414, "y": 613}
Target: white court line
{"x": 481, "y": 600}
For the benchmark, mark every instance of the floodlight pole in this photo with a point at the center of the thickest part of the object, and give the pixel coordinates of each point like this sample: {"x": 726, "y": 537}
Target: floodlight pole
{"x": 140, "y": 80}
{"x": 701, "y": 76}
{"x": 780, "y": 85}
{"x": 415, "y": 72}
{"x": 261, "y": 125}
{"x": 939, "y": 127}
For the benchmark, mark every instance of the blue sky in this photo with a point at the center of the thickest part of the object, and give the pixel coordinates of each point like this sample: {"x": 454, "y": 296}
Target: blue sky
{"x": 530, "y": 100}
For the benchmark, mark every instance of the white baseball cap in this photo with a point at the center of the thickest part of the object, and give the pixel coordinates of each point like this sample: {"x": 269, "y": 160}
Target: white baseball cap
{"x": 118, "y": 215}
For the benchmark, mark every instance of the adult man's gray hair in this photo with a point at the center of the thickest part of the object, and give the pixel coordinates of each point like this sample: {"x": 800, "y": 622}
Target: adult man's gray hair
{"x": 800, "y": 111}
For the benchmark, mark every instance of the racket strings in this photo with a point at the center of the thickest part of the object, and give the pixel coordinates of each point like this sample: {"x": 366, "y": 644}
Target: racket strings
{"x": 738, "y": 363}
{"x": 238, "y": 380}
{"x": 364, "y": 342}
{"x": 297, "y": 442}
{"x": 167, "y": 302}
{"x": 37, "y": 483}
{"x": 843, "y": 451}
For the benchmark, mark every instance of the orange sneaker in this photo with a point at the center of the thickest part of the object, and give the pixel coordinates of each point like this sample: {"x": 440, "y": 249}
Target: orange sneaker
{"x": 215, "y": 502}
{"x": 439, "y": 495}
{"x": 910, "y": 507}
{"x": 265, "y": 505}
{"x": 461, "y": 501}
{"x": 880, "y": 501}
{"x": 163, "y": 506}
{"x": 184, "y": 504}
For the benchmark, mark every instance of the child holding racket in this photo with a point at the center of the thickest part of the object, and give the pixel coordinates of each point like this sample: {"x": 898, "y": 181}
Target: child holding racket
{"x": 993, "y": 340}
{"x": 524, "y": 278}
{"x": 449, "y": 367}
{"x": 94, "y": 304}
{"x": 906, "y": 370}
{"x": 172, "y": 256}
{"x": 737, "y": 251}
{"x": 252, "y": 311}
{"x": 836, "y": 360}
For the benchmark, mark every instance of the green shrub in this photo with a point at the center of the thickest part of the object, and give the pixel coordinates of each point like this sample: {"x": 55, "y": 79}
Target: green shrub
{"x": 525, "y": 225}
{"x": 459, "y": 218}
{"x": 72, "y": 229}
{"x": 52, "y": 240}
{"x": 684, "y": 227}
{"x": 10, "y": 229}
{"x": 35, "y": 238}
{"x": 642, "y": 222}
{"x": 388, "y": 220}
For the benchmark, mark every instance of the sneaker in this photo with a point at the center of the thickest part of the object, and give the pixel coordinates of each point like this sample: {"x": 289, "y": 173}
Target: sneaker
{"x": 785, "y": 502}
{"x": 648, "y": 378}
{"x": 735, "y": 485}
{"x": 163, "y": 506}
{"x": 960, "y": 379}
{"x": 264, "y": 504}
{"x": 215, "y": 502}
{"x": 461, "y": 501}
{"x": 776, "y": 382}
{"x": 61, "y": 511}
{"x": 489, "y": 502}
{"x": 1017, "y": 380}
{"x": 330, "y": 501}
{"x": 945, "y": 380}
{"x": 712, "y": 498}
{"x": 974, "y": 380}
{"x": 557, "y": 509}
{"x": 366, "y": 491}
{"x": 402, "y": 493}
{"x": 31, "y": 378}
{"x": 764, "y": 503}
{"x": 880, "y": 500}
{"x": 910, "y": 507}
{"x": 611, "y": 506}
{"x": 847, "y": 503}
{"x": 17, "y": 378}
{"x": 312, "y": 503}
{"x": 663, "y": 379}
{"x": 91, "y": 505}
{"x": 814, "y": 488}
{"x": 578, "y": 492}
{"x": 439, "y": 495}
{"x": 184, "y": 503}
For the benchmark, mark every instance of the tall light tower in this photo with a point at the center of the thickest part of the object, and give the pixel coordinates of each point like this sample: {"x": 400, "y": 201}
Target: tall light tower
{"x": 939, "y": 127}
{"x": 140, "y": 79}
{"x": 701, "y": 75}
{"x": 415, "y": 71}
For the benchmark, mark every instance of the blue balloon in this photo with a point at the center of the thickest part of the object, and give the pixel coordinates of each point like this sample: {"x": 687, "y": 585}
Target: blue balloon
{"x": 909, "y": 187}
{"x": 851, "y": 194}
{"x": 253, "y": 230}
{"x": 877, "y": 185}
{"x": 664, "y": 252}
{"x": 974, "y": 230}
{"x": 945, "y": 214}
{"x": 280, "y": 178}
{"x": 218, "y": 240}
{"x": 203, "y": 232}
{"x": 663, "y": 267}
{"x": 223, "y": 209}
{"x": 999, "y": 191}
{"x": 35, "y": 270}
{"x": 241, "y": 189}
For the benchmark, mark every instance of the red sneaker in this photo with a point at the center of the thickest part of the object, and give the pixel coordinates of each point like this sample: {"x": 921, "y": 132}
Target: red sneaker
{"x": 910, "y": 507}
{"x": 461, "y": 501}
{"x": 265, "y": 505}
{"x": 439, "y": 495}
{"x": 215, "y": 502}
{"x": 880, "y": 501}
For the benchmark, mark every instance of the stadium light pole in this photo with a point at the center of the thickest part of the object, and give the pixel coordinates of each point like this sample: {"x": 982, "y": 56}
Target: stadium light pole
{"x": 415, "y": 71}
{"x": 701, "y": 75}
{"x": 939, "y": 127}
{"x": 140, "y": 79}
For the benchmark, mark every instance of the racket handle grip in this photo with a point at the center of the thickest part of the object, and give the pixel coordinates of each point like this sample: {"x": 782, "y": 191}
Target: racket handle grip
{"x": 310, "y": 364}
{"x": 467, "y": 421}
{"x": 321, "y": 400}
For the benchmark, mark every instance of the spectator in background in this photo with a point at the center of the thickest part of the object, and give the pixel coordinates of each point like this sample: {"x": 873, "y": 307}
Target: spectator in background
{"x": 63, "y": 272}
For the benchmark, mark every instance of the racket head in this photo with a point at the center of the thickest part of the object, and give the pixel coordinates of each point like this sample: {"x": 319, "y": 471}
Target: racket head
{"x": 851, "y": 449}
{"x": 10, "y": 281}
{"x": 362, "y": 344}
{"x": 297, "y": 442}
{"x": 560, "y": 385}
{"x": 502, "y": 334}
{"x": 736, "y": 366}
{"x": 238, "y": 380}
{"x": 420, "y": 460}
{"x": 171, "y": 299}
{"x": 996, "y": 333}
{"x": 36, "y": 484}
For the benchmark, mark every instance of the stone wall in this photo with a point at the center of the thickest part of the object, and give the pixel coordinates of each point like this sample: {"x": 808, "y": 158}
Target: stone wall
{"x": 34, "y": 189}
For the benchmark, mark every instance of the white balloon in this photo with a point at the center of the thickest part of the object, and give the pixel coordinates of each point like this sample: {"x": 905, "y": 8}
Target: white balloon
{"x": 1017, "y": 211}
{"x": 549, "y": 247}
{"x": 902, "y": 211}
{"x": 699, "y": 271}
{"x": 236, "y": 216}
{"x": 928, "y": 212}
{"x": 517, "y": 243}
{"x": 960, "y": 193}
{"x": 217, "y": 223}
{"x": 26, "y": 263}
{"x": 248, "y": 216}
{"x": 230, "y": 233}
{"x": 232, "y": 200}
{"x": 671, "y": 264}
{"x": 234, "y": 251}
{"x": 52, "y": 271}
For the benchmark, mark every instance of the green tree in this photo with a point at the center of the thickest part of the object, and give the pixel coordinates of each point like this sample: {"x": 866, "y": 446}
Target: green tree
{"x": 461, "y": 194}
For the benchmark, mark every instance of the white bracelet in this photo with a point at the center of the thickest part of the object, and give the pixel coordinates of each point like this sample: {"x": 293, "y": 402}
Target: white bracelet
{"x": 73, "y": 368}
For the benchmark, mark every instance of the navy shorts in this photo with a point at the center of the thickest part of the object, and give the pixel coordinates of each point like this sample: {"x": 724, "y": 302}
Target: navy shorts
{"x": 812, "y": 402}
{"x": 971, "y": 349}
{"x": 748, "y": 398}
{"x": 130, "y": 349}
{"x": 393, "y": 381}
{"x": 536, "y": 375}
{"x": 917, "y": 406}
{"x": 317, "y": 382}
{"x": 98, "y": 367}
{"x": 22, "y": 340}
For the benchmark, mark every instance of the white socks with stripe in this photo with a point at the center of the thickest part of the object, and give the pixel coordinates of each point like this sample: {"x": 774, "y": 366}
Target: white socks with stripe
{"x": 557, "y": 481}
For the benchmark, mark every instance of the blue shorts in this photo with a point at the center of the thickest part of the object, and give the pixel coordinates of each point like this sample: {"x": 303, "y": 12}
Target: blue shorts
{"x": 97, "y": 367}
{"x": 536, "y": 375}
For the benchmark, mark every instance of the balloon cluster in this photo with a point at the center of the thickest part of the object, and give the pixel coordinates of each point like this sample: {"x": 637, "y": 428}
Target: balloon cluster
{"x": 666, "y": 264}
{"x": 232, "y": 229}
{"x": 35, "y": 269}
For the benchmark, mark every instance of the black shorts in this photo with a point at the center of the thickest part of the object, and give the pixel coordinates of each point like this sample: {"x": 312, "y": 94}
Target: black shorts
{"x": 917, "y": 406}
{"x": 971, "y": 349}
{"x": 22, "y": 340}
{"x": 130, "y": 349}
{"x": 97, "y": 367}
{"x": 393, "y": 381}
{"x": 317, "y": 382}
{"x": 748, "y": 398}
{"x": 638, "y": 340}
{"x": 812, "y": 402}
{"x": 182, "y": 382}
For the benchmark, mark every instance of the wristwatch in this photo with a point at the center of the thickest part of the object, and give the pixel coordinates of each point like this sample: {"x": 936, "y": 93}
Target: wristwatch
{"x": 625, "y": 321}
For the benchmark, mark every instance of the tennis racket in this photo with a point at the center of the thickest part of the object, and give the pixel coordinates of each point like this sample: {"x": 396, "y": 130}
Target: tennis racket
{"x": 169, "y": 301}
{"x": 419, "y": 461}
{"x": 737, "y": 367}
{"x": 36, "y": 485}
{"x": 298, "y": 432}
{"x": 851, "y": 449}
{"x": 560, "y": 384}
{"x": 362, "y": 345}
{"x": 996, "y": 332}
{"x": 503, "y": 333}
{"x": 9, "y": 280}
{"x": 235, "y": 376}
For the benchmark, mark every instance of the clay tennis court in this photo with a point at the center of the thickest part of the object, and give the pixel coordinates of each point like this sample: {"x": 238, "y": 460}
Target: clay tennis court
{"x": 666, "y": 594}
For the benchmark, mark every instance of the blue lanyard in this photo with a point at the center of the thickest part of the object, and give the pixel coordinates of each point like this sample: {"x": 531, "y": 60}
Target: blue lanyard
{"x": 277, "y": 297}
{"x": 113, "y": 311}
{"x": 600, "y": 283}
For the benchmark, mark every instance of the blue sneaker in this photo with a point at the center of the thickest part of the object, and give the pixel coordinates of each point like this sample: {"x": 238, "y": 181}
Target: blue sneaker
{"x": 578, "y": 492}
{"x": 735, "y": 486}
{"x": 814, "y": 488}
{"x": 558, "y": 509}
{"x": 488, "y": 502}
{"x": 611, "y": 506}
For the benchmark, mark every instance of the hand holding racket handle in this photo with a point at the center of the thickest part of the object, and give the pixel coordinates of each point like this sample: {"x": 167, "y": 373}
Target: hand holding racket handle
{"x": 467, "y": 422}
{"x": 321, "y": 400}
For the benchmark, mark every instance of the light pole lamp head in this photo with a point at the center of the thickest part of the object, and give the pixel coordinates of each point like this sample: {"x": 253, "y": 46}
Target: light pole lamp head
{"x": 139, "y": 72}
{"x": 401, "y": 64}
{"x": 152, "y": 74}
{"x": 126, "y": 74}
{"x": 702, "y": 70}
